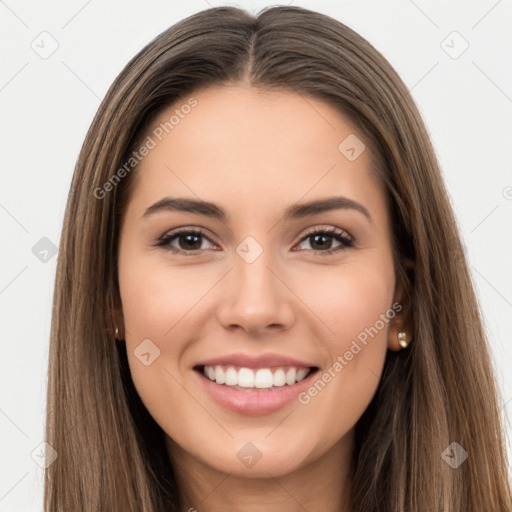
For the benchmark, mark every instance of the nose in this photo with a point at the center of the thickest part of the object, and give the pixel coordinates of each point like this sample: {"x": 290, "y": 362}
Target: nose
{"x": 256, "y": 297}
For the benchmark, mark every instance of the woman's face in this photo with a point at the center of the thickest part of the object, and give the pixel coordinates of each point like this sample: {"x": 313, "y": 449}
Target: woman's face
{"x": 209, "y": 285}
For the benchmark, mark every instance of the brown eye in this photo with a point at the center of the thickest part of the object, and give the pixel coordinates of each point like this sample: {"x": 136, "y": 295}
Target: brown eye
{"x": 321, "y": 240}
{"x": 188, "y": 241}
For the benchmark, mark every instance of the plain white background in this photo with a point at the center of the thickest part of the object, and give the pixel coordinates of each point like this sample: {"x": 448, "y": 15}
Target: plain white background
{"x": 48, "y": 102}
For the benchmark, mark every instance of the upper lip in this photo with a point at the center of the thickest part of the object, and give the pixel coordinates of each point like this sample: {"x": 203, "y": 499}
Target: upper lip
{"x": 251, "y": 361}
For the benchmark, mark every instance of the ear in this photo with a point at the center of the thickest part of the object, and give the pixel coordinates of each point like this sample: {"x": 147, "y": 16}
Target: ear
{"x": 403, "y": 320}
{"x": 116, "y": 314}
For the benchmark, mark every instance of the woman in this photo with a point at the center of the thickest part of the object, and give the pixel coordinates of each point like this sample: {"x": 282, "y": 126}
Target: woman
{"x": 262, "y": 301}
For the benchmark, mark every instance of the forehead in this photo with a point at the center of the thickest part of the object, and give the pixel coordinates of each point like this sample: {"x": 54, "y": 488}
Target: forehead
{"x": 254, "y": 148}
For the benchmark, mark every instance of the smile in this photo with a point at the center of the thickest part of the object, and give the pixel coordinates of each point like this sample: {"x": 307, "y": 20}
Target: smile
{"x": 262, "y": 378}
{"x": 254, "y": 391}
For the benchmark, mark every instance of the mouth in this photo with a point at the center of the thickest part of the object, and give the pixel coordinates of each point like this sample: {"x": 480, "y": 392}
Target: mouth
{"x": 255, "y": 380}
{"x": 254, "y": 391}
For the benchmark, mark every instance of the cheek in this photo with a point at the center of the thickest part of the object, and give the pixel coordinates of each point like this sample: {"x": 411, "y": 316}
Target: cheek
{"x": 364, "y": 297}
{"x": 348, "y": 299}
{"x": 163, "y": 305}
{"x": 156, "y": 305}
{"x": 157, "y": 298}
{"x": 355, "y": 302}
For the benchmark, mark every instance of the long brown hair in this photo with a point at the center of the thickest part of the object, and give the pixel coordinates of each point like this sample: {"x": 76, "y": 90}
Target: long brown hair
{"x": 111, "y": 453}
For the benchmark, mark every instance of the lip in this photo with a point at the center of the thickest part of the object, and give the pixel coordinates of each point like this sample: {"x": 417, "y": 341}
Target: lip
{"x": 255, "y": 402}
{"x": 268, "y": 360}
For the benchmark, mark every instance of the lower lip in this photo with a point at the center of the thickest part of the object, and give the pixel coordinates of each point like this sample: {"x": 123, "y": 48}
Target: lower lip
{"x": 254, "y": 402}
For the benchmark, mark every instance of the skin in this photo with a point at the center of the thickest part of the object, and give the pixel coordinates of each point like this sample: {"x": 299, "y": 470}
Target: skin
{"x": 255, "y": 153}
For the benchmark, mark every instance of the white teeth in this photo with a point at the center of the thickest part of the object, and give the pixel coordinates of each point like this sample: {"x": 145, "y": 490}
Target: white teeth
{"x": 219, "y": 375}
{"x": 301, "y": 374}
{"x": 263, "y": 378}
{"x": 231, "y": 377}
{"x": 246, "y": 378}
{"x": 290, "y": 376}
{"x": 279, "y": 378}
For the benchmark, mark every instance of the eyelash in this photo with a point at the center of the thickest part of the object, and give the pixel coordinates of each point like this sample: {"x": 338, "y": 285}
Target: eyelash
{"x": 335, "y": 233}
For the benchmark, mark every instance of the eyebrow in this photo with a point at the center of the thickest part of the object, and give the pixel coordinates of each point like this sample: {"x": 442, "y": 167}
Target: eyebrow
{"x": 296, "y": 211}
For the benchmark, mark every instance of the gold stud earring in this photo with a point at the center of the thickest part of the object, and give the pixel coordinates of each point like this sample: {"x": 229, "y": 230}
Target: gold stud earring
{"x": 402, "y": 339}
{"x": 117, "y": 333}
